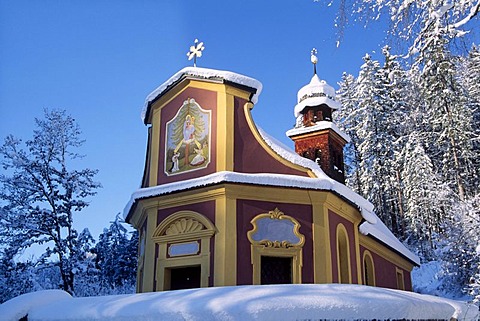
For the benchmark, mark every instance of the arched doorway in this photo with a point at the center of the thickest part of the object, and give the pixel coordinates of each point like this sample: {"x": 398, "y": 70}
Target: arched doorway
{"x": 183, "y": 241}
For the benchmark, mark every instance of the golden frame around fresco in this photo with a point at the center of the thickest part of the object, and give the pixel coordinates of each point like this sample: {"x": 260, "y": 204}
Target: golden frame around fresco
{"x": 188, "y": 139}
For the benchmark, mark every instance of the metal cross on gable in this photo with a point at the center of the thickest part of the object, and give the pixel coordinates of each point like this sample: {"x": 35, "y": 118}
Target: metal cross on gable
{"x": 195, "y": 51}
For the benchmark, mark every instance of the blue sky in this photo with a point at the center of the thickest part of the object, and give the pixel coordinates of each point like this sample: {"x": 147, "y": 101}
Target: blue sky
{"x": 100, "y": 59}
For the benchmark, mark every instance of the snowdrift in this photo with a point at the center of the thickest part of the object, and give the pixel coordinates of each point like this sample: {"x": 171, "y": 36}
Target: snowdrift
{"x": 266, "y": 302}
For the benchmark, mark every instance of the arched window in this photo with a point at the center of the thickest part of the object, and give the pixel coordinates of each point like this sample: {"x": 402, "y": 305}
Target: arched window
{"x": 368, "y": 269}
{"x": 343, "y": 255}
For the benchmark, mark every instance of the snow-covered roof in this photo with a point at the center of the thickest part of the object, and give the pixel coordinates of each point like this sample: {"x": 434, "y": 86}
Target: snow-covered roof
{"x": 317, "y": 92}
{"x": 265, "y": 179}
{"x": 372, "y": 226}
{"x": 203, "y": 73}
{"x": 319, "y": 125}
{"x": 260, "y": 302}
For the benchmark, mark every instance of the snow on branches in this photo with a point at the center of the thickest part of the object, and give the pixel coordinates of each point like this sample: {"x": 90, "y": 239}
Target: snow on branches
{"x": 40, "y": 191}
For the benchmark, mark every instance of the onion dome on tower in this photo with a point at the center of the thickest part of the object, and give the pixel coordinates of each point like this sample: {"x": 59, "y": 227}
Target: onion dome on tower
{"x": 315, "y": 135}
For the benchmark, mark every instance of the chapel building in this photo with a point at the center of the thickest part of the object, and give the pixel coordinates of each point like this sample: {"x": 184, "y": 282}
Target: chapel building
{"x": 222, "y": 203}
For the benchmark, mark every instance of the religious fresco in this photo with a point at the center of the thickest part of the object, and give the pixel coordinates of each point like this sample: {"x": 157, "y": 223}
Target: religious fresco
{"x": 187, "y": 146}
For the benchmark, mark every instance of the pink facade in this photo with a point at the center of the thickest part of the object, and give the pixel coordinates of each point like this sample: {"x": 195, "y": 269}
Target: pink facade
{"x": 250, "y": 156}
{"x": 385, "y": 272}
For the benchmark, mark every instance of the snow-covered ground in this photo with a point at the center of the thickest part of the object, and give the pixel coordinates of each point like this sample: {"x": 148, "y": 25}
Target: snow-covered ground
{"x": 429, "y": 278}
{"x": 267, "y": 302}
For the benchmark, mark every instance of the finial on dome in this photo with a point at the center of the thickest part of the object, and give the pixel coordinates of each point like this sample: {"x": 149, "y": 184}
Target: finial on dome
{"x": 195, "y": 51}
{"x": 314, "y": 60}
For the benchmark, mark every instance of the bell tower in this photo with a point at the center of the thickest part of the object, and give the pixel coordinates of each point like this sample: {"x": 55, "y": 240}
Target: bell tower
{"x": 315, "y": 135}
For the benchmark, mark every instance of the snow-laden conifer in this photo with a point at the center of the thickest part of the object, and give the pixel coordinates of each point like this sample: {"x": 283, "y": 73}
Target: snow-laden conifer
{"x": 426, "y": 198}
{"x": 347, "y": 120}
{"x": 116, "y": 258}
{"x": 448, "y": 120}
{"x": 377, "y": 127}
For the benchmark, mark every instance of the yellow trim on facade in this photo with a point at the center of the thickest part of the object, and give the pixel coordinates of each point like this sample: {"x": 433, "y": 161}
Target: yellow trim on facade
{"x": 167, "y": 97}
{"x": 182, "y": 86}
{"x": 155, "y": 150}
{"x": 225, "y": 242}
{"x": 341, "y": 207}
{"x": 204, "y": 194}
{"x": 322, "y": 254}
{"x": 358, "y": 260}
{"x": 230, "y": 134}
{"x": 148, "y": 271}
{"x": 268, "y": 193}
{"x": 237, "y": 92}
{"x": 222, "y": 129}
{"x": 225, "y": 131}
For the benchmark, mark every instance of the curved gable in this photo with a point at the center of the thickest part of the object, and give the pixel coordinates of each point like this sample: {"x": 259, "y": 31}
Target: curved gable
{"x": 251, "y": 153}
